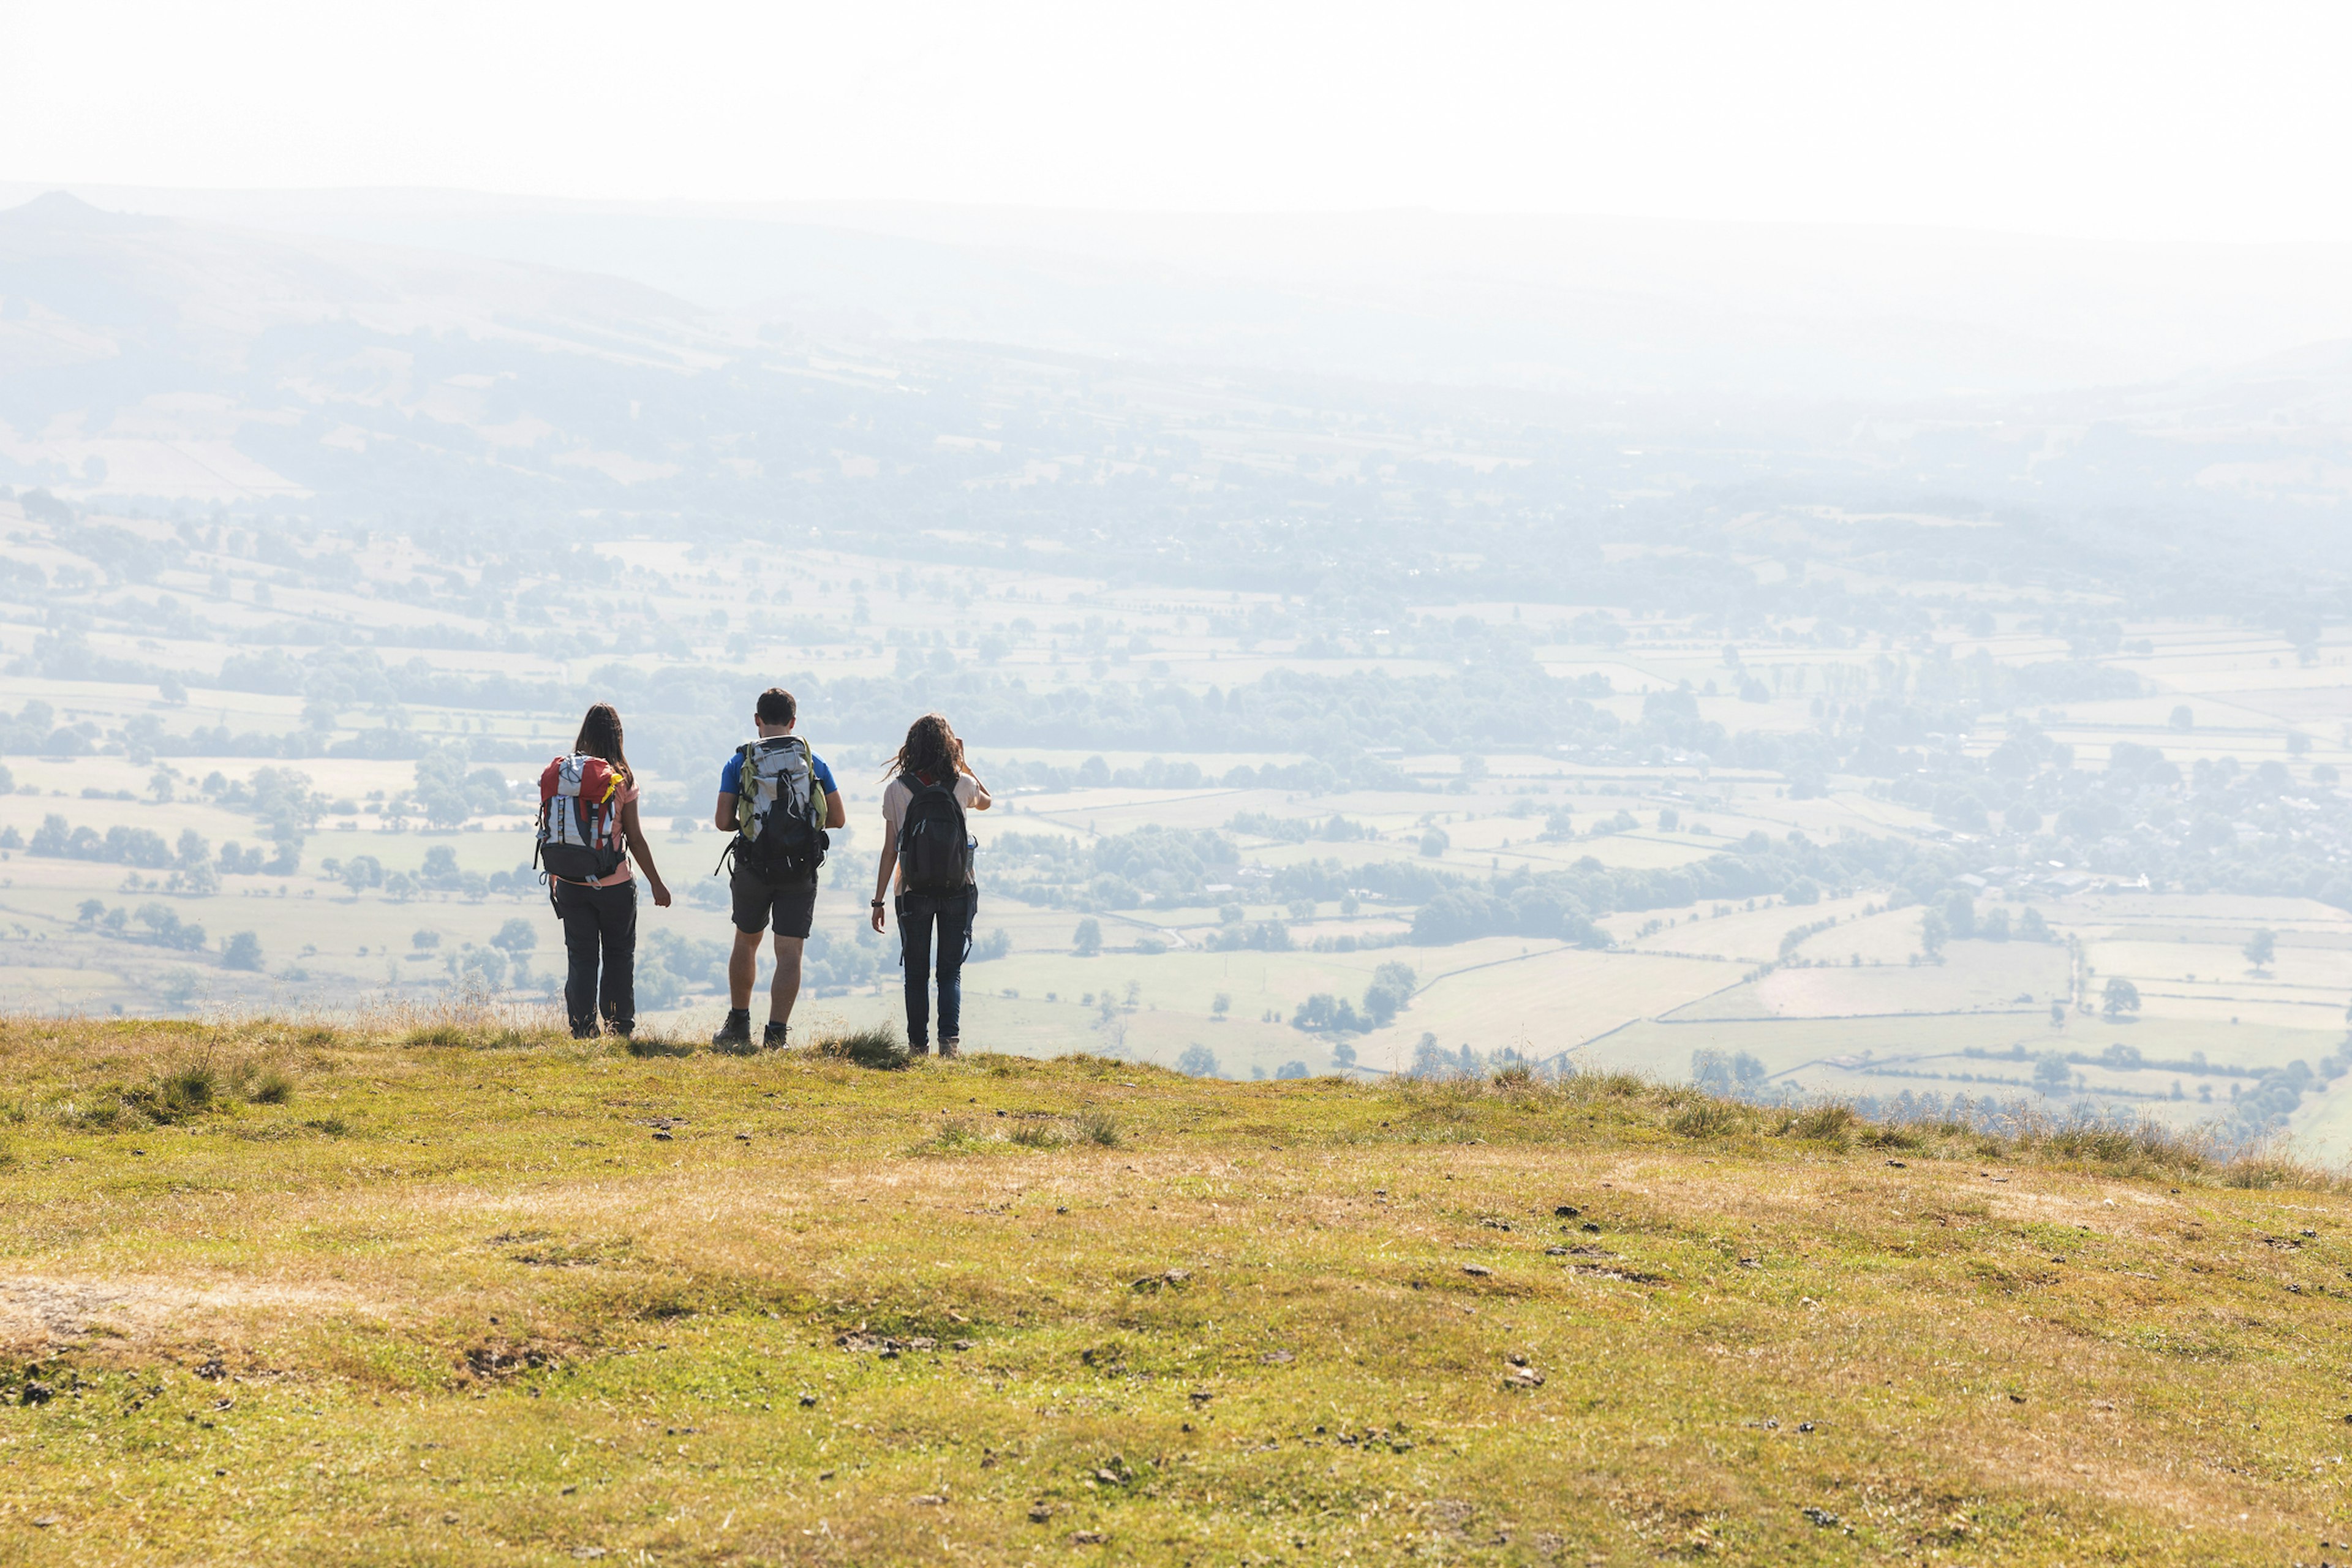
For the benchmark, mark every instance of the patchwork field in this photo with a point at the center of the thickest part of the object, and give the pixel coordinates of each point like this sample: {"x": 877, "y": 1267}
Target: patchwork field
{"x": 243, "y": 764}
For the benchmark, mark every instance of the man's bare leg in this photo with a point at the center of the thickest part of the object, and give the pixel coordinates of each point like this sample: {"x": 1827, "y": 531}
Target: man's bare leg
{"x": 744, "y": 968}
{"x": 786, "y": 989}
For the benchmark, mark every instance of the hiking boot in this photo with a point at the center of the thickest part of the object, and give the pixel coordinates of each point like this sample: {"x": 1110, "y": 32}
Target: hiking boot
{"x": 772, "y": 1038}
{"x": 951, "y": 1047}
{"x": 736, "y": 1030}
{"x": 920, "y": 1048}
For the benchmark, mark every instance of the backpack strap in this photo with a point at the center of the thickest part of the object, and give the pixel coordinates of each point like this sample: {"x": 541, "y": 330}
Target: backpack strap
{"x": 747, "y": 788}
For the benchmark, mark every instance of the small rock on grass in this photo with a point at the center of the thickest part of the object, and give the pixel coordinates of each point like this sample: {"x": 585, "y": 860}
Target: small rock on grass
{"x": 1088, "y": 1538}
{"x": 1475, "y": 1268}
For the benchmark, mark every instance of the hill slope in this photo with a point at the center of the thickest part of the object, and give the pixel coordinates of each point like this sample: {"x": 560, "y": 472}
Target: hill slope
{"x": 291, "y": 1292}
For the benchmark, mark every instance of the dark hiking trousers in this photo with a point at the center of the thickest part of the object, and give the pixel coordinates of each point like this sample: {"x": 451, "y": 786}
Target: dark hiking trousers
{"x": 949, "y": 916}
{"x": 600, "y": 931}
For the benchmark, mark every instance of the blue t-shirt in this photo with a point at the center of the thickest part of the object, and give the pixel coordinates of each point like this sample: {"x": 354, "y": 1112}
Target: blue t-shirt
{"x": 730, "y": 777}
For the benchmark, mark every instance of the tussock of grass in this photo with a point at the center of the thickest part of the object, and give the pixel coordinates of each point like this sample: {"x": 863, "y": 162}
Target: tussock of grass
{"x": 459, "y": 1020}
{"x": 876, "y": 1048}
{"x": 270, "y": 1086}
{"x": 957, "y": 1135}
{"x": 1504, "y": 1320}
{"x": 1038, "y": 1135}
{"x": 1830, "y": 1124}
{"x": 1709, "y": 1118}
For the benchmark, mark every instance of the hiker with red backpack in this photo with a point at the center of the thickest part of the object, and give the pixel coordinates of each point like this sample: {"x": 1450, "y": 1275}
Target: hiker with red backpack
{"x": 588, "y": 832}
{"x": 926, "y": 843}
{"x": 777, "y": 798}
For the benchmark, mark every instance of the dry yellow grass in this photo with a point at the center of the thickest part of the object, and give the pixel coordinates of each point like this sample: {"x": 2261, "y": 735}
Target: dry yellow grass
{"x": 505, "y": 1297}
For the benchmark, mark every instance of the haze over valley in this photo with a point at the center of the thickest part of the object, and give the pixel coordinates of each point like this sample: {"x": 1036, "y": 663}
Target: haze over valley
{"x": 1817, "y": 658}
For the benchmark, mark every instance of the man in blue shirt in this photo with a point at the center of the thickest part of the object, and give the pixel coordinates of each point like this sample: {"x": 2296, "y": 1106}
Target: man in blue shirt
{"x": 758, "y": 904}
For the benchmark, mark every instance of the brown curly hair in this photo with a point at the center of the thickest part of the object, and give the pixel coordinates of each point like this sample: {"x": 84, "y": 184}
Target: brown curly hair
{"x": 932, "y": 749}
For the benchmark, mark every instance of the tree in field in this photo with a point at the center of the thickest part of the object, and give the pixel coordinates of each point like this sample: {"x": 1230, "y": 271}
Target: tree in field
{"x": 1933, "y": 933}
{"x": 1198, "y": 1061}
{"x": 2121, "y": 998}
{"x": 2261, "y": 948}
{"x": 242, "y": 951}
{"x": 1087, "y": 941}
{"x": 2051, "y": 1073}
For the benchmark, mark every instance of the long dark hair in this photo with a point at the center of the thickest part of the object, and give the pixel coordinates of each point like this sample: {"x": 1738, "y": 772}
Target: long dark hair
{"x": 599, "y": 736}
{"x": 932, "y": 749}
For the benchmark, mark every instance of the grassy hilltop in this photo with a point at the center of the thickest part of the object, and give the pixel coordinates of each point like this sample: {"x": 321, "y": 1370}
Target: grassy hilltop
{"x": 282, "y": 1292}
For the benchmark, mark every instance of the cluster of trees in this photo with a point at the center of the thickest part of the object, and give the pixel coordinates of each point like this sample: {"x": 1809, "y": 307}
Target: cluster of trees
{"x": 440, "y": 873}
{"x": 1254, "y": 936}
{"x": 1153, "y": 864}
{"x": 489, "y": 963}
{"x": 1390, "y": 993}
{"x": 160, "y": 925}
{"x": 1957, "y": 919}
{"x": 2219, "y": 827}
{"x": 1332, "y": 830}
{"x": 1563, "y": 904}
{"x": 34, "y": 731}
{"x": 119, "y": 845}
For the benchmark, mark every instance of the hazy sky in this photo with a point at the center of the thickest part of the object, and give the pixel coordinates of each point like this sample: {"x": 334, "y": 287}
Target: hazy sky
{"x": 2222, "y": 121}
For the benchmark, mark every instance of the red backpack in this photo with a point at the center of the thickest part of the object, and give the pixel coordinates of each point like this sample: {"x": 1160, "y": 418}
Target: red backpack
{"x": 580, "y": 818}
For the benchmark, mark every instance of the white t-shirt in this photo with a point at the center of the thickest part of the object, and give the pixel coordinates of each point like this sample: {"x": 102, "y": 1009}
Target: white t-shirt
{"x": 895, "y": 794}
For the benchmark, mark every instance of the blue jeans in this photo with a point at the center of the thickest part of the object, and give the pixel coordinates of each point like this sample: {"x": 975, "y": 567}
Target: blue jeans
{"x": 951, "y": 914}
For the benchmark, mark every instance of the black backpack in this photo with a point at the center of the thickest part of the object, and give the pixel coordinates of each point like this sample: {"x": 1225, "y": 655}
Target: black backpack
{"x": 934, "y": 849}
{"x": 780, "y": 811}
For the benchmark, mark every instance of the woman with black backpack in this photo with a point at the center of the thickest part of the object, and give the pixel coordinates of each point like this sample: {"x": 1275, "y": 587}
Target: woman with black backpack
{"x": 925, "y": 843}
{"x": 588, "y": 833}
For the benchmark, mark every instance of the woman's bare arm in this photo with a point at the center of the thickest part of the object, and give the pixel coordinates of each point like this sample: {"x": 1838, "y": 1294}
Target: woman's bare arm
{"x": 882, "y": 875}
{"x": 635, "y": 832}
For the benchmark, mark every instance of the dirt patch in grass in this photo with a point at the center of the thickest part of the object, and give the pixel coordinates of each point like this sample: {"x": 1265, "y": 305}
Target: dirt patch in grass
{"x": 40, "y": 1315}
